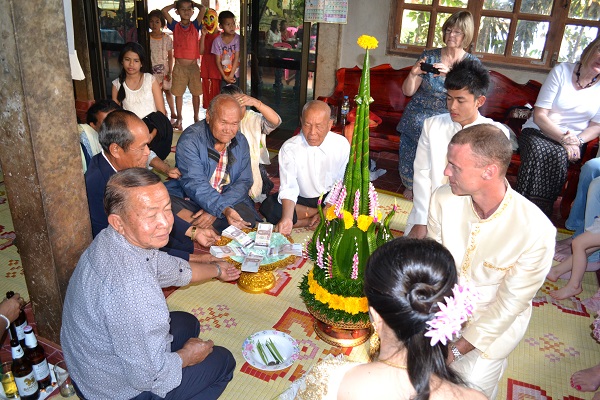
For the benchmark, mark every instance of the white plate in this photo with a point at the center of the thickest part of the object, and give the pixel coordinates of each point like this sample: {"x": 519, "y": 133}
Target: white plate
{"x": 285, "y": 344}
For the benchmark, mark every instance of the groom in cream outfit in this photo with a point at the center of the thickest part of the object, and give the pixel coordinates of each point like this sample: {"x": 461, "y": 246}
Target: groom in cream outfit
{"x": 502, "y": 245}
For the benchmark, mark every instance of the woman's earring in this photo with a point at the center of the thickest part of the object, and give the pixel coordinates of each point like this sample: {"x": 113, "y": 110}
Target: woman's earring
{"x": 374, "y": 343}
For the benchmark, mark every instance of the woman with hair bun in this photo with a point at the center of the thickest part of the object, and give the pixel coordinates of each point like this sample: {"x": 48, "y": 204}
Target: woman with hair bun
{"x": 404, "y": 281}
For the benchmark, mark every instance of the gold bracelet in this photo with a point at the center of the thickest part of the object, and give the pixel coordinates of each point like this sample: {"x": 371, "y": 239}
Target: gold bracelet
{"x": 193, "y": 233}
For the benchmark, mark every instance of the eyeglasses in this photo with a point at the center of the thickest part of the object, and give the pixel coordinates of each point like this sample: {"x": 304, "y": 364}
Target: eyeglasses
{"x": 451, "y": 32}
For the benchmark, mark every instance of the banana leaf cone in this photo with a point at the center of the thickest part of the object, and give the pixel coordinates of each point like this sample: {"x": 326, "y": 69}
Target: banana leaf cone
{"x": 349, "y": 231}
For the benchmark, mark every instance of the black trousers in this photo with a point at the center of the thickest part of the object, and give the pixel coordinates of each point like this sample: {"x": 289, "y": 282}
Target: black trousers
{"x": 205, "y": 380}
{"x": 247, "y": 214}
{"x": 272, "y": 209}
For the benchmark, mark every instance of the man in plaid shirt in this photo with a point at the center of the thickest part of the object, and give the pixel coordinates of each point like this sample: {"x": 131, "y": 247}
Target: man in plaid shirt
{"x": 214, "y": 160}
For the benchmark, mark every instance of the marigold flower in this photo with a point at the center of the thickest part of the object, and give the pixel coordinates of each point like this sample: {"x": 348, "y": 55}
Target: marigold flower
{"x": 367, "y": 42}
{"x": 351, "y": 305}
{"x": 330, "y": 215}
{"x": 348, "y": 220}
{"x": 364, "y": 221}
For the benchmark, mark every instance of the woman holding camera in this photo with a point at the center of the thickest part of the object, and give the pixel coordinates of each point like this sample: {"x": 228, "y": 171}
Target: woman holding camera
{"x": 425, "y": 83}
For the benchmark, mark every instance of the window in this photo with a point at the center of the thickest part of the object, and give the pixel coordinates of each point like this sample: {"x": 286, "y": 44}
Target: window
{"x": 532, "y": 33}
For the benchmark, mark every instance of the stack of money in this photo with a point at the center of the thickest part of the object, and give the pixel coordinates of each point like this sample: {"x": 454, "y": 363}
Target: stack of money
{"x": 238, "y": 235}
{"x": 294, "y": 249}
{"x": 251, "y": 263}
{"x": 262, "y": 241}
{"x": 226, "y": 251}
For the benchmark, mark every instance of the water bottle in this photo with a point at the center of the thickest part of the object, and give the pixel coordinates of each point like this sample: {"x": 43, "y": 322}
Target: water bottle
{"x": 344, "y": 110}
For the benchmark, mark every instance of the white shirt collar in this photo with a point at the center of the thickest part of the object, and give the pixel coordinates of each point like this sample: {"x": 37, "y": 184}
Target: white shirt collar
{"x": 108, "y": 161}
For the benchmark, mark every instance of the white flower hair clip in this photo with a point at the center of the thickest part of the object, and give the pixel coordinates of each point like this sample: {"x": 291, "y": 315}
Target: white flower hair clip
{"x": 457, "y": 310}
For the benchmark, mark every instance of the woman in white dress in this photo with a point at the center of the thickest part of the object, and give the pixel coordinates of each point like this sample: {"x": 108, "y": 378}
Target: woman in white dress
{"x": 404, "y": 281}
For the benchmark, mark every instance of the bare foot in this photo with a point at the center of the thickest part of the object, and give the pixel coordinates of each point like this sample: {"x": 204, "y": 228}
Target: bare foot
{"x": 178, "y": 125}
{"x": 408, "y": 194}
{"x": 562, "y": 255}
{"x": 553, "y": 275}
{"x": 564, "y": 244}
{"x": 565, "y": 292}
{"x": 586, "y": 380}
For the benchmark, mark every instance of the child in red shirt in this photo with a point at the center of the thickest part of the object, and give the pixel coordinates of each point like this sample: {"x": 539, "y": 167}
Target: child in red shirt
{"x": 211, "y": 77}
{"x": 186, "y": 72}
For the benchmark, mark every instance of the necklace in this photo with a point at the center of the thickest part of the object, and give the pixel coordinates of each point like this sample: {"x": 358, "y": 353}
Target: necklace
{"x": 391, "y": 364}
{"x": 578, "y": 73}
{"x": 138, "y": 84}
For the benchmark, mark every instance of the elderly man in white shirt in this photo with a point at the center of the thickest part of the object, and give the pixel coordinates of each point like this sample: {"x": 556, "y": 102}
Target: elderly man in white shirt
{"x": 466, "y": 85}
{"x": 309, "y": 165}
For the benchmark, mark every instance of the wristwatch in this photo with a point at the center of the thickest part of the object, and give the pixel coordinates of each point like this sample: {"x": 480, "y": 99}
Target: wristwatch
{"x": 457, "y": 354}
{"x": 581, "y": 142}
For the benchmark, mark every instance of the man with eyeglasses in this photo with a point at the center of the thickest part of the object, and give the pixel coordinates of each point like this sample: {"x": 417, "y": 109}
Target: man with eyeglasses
{"x": 124, "y": 139}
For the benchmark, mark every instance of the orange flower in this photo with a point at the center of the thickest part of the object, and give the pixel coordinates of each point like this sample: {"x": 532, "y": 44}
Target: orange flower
{"x": 351, "y": 305}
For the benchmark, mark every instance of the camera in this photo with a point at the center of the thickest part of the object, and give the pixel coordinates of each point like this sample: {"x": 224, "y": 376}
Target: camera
{"x": 429, "y": 68}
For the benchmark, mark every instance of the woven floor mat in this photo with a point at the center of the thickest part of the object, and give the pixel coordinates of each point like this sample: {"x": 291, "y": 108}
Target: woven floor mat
{"x": 11, "y": 270}
{"x": 557, "y": 343}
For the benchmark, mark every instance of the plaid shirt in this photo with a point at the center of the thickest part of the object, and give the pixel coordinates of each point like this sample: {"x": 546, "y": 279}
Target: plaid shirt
{"x": 220, "y": 177}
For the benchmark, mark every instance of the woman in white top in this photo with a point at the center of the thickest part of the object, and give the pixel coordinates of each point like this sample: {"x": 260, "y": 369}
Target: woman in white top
{"x": 273, "y": 34}
{"x": 566, "y": 116}
{"x": 136, "y": 89}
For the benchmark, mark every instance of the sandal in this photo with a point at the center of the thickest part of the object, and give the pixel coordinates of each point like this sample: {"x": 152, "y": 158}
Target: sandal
{"x": 178, "y": 125}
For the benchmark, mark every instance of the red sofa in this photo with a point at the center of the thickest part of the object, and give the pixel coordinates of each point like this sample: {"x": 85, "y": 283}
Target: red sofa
{"x": 505, "y": 102}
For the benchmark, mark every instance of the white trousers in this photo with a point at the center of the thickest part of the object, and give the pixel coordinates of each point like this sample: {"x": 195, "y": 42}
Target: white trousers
{"x": 482, "y": 374}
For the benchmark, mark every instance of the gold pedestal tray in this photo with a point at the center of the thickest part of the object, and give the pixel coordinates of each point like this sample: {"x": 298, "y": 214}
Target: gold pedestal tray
{"x": 256, "y": 282}
{"x": 264, "y": 279}
{"x": 340, "y": 334}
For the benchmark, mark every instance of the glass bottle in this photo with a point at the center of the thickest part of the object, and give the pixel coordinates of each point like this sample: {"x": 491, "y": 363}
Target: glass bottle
{"x": 23, "y": 372}
{"x": 344, "y": 110}
{"x": 20, "y": 323}
{"x": 37, "y": 356}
